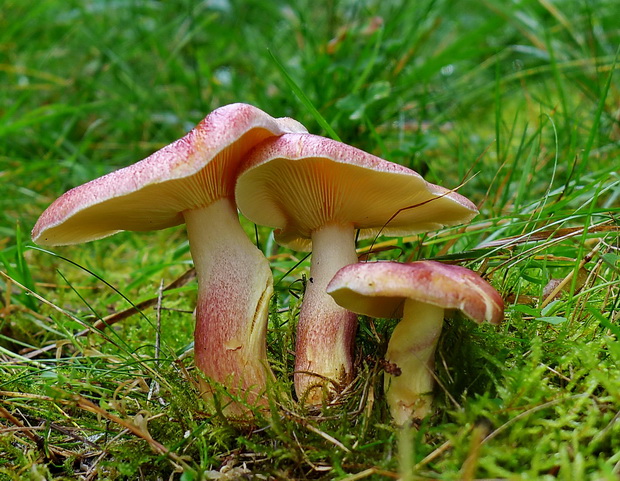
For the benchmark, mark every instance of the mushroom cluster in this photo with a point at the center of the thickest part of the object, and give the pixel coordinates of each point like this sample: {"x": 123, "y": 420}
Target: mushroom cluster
{"x": 317, "y": 194}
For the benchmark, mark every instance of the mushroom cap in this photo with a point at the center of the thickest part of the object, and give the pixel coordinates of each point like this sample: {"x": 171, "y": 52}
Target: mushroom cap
{"x": 297, "y": 183}
{"x": 152, "y": 194}
{"x": 379, "y": 289}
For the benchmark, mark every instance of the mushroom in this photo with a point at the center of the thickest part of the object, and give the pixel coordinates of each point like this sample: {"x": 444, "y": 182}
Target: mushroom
{"x": 192, "y": 181}
{"x": 417, "y": 292}
{"x": 317, "y": 192}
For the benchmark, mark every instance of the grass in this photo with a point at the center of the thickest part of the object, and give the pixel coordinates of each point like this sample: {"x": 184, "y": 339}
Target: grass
{"x": 517, "y": 101}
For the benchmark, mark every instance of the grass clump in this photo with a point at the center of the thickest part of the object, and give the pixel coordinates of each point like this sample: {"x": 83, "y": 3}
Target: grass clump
{"x": 516, "y": 101}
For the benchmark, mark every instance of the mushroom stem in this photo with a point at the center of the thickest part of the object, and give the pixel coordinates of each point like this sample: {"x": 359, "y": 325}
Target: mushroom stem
{"x": 412, "y": 349}
{"x": 325, "y": 333}
{"x": 234, "y": 288}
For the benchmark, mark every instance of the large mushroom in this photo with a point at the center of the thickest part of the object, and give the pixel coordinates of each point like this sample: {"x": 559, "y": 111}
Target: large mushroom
{"x": 317, "y": 193}
{"x": 419, "y": 293}
{"x": 192, "y": 181}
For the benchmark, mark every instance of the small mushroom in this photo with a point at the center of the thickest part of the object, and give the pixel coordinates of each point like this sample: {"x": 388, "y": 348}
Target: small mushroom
{"x": 317, "y": 192}
{"x": 417, "y": 292}
{"x": 192, "y": 181}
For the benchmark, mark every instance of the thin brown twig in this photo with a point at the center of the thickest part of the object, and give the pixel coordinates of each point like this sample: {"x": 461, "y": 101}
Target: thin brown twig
{"x": 112, "y": 319}
{"x": 409, "y": 207}
{"x": 108, "y": 320}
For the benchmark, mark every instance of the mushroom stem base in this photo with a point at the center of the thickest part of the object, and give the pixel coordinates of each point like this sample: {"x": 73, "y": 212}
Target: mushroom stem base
{"x": 412, "y": 349}
{"x": 235, "y": 286}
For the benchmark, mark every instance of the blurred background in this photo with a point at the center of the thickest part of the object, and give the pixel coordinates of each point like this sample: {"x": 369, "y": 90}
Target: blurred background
{"x": 442, "y": 87}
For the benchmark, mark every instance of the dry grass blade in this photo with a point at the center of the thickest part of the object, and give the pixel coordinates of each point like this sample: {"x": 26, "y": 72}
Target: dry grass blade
{"x": 12, "y": 419}
{"x": 544, "y": 235}
{"x": 85, "y": 404}
{"x": 325, "y": 436}
{"x": 527, "y": 412}
{"x": 547, "y": 241}
{"x": 435, "y": 454}
{"x": 40, "y": 298}
{"x": 28, "y": 357}
{"x": 112, "y": 319}
{"x": 54, "y": 453}
{"x": 371, "y": 472}
{"x": 564, "y": 282}
{"x": 479, "y": 432}
{"x": 306, "y": 424}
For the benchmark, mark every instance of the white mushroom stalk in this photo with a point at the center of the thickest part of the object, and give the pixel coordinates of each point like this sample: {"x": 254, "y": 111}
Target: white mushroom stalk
{"x": 418, "y": 293}
{"x": 234, "y": 288}
{"x": 325, "y": 331}
{"x": 412, "y": 350}
{"x": 192, "y": 180}
{"x": 317, "y": 193}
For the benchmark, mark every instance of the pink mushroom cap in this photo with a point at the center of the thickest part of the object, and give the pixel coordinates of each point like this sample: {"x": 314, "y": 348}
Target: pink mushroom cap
{"x": 379, "y": 289}
{"x": 297, "y": 183}
{"x": 153, "y": 193}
